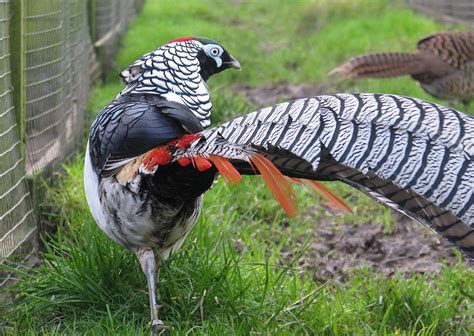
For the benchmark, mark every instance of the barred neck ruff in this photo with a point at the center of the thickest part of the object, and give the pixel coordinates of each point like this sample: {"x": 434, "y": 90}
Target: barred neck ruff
{"x": 172, "y": 71}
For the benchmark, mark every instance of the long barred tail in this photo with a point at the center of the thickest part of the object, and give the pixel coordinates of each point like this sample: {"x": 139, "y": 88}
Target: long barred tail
{"x": 411, "y": 155}
{"x": 381, "y": 66}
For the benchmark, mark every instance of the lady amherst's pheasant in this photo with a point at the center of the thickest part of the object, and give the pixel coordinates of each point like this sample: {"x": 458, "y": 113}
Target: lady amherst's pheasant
{"x": 149, "y": 159}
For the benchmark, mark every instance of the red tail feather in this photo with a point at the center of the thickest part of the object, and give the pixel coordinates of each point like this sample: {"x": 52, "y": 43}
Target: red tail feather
{"x": 158, "y": 156}
{"x": 226, "y": 169}
{"x": 276, "y": 182}
{"x": 319, "y": 188}
{"x": 201, "y": 164}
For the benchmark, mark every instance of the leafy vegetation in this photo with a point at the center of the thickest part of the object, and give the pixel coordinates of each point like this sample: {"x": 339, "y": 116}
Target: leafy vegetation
{"x": 230, "y": 277}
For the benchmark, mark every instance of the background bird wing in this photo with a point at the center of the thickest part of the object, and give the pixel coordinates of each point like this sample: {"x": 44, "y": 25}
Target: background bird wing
{"x": 454, "y": 48}
{"x": 132, "y": 125}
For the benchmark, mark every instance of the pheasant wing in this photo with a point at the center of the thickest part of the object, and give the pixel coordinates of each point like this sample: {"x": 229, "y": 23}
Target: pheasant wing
{"x": 132, "y": 125}
{"x": 454, "y": 48}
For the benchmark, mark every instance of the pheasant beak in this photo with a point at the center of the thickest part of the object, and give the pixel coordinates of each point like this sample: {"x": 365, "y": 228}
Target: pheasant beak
{"x": 233, "y": 63}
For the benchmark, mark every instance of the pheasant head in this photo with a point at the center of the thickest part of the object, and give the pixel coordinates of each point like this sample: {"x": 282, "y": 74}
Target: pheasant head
{"x": 178, "y": 71}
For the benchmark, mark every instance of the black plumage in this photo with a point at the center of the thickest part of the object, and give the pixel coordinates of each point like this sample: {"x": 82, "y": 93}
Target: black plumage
{"x": 133, "y": 124}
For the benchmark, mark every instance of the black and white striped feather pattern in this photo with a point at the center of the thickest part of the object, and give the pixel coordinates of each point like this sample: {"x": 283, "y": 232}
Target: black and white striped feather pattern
{"x": 172, "y": 71}
{"x": 411, "y": 155}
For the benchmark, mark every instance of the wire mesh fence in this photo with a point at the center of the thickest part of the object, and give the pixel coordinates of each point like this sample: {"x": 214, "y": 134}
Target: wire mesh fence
{"x": 452, "y": 11}
{"x": 46, "y": 74}
{"x": 109, "y": 23}
{"x": 58, "y": 50}
{"x": 42, "y": 118}
{"x": 17, "y": 223}
{"x": 80, "y": 51}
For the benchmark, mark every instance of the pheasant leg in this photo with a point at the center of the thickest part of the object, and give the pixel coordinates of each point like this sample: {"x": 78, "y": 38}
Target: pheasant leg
{"x": 147, "y": 260}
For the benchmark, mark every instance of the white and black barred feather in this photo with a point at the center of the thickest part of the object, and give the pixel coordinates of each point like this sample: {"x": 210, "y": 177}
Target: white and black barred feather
{"x": 411, "y": 155}
{"x": 172, "y": 71}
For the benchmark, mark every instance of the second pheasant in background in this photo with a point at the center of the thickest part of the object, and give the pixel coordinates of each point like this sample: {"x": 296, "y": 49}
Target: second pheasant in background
{"x": 443, "y": 65}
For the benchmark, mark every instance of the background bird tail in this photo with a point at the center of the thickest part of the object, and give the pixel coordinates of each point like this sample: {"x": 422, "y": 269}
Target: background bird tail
{"x": 380, "y": 66}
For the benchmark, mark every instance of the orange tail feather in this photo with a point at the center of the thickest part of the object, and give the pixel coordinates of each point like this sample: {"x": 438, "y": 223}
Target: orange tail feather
{"x": 201, "y": 163}
{"x": 226, "y": 169}
{"x": 319, "y": 188}
{"x": 277, "y": 183}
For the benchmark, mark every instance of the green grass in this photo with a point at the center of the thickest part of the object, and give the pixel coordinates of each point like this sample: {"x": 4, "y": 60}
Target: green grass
{"x": 231, "y": 267}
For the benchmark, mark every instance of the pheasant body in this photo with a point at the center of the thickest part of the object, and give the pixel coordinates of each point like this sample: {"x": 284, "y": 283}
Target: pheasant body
{"x": 456, "y": 86}
{"x": 150, "y": 217}
{"x": 443, "y": 65}
{"x": 141, "y": 209}
{"x": 166, "y": 97}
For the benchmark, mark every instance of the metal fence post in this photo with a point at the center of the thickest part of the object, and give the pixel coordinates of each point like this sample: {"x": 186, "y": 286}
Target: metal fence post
{"x": 17, "y": 49}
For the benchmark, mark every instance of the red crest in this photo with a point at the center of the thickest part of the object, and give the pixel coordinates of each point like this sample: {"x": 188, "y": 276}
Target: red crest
{"x": 181, "y": 39}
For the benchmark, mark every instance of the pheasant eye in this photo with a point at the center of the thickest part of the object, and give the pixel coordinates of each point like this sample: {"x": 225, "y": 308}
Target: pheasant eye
{"x": 214, "y": 51}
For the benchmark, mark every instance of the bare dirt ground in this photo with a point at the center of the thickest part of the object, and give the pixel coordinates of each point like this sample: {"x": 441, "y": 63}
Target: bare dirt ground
{"x": 409, "y": 249}
{"x": 336, "y": 250}
{"x": 269, "y": 94}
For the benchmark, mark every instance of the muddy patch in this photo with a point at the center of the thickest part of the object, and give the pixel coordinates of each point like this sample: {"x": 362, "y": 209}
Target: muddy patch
{"x": 409, "y": 249}
{"x": 270, "y": 94}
